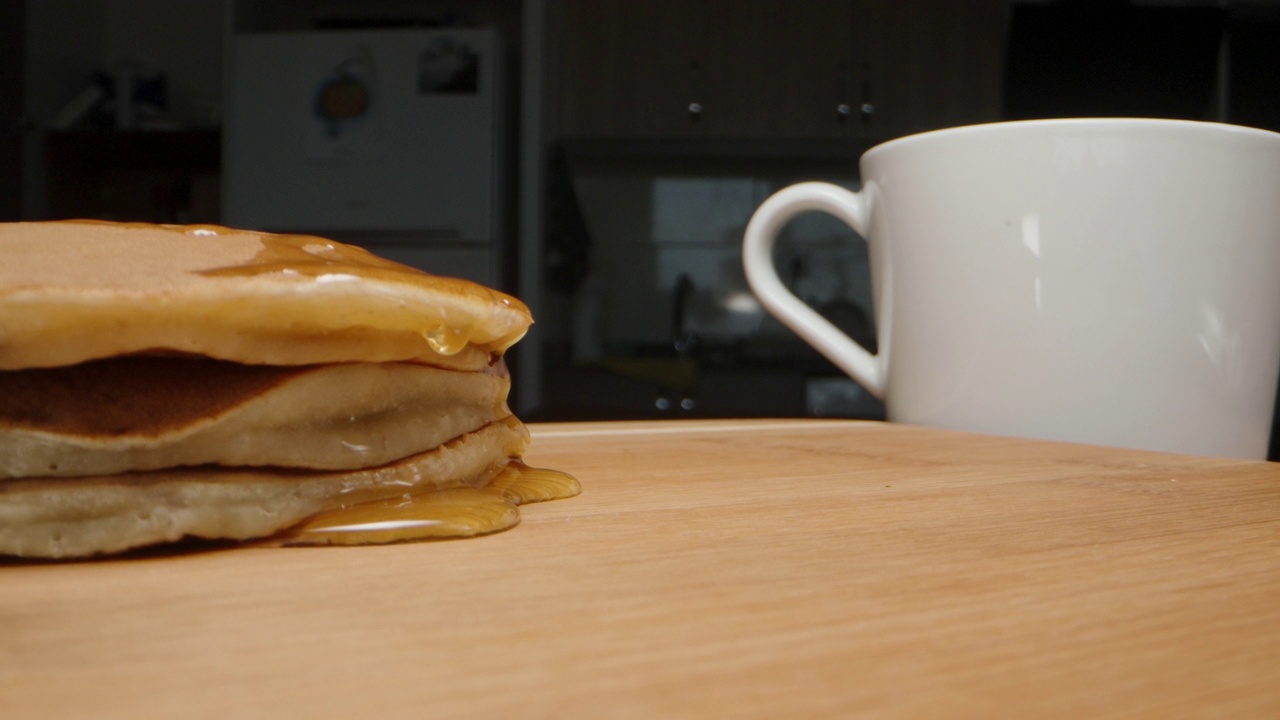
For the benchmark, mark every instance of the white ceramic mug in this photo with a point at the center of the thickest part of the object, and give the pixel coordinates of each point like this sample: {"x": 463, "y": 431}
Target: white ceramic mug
{"x": 1108, "y": 281}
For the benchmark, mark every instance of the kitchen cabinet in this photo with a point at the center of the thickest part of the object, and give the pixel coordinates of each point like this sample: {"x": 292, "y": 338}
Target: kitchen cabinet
{"x": 629, "y": 69}
{"x": 775, "y": 69}
{"x": 778, "y": 68}
{"x": 929, "y": 64}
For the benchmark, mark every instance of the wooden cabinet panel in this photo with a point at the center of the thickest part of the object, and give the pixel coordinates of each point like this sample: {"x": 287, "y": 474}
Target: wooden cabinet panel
{"x": 629, "y": 69}
{"x": 763, "y": 68}
{"x": 929, "y": 64}
{"x": 776, "y": 69}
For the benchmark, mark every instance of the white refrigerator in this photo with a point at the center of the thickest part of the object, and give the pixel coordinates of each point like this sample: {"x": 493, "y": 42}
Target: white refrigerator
{"x": 390, "y": 139}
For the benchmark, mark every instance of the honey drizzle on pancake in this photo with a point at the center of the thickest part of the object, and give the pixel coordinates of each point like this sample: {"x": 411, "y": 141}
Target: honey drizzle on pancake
{"x": 328, "y": 261}
{"x": 310, "y": 256}
{"x": 239, "y": 295}
{"x": 438, "y": 514}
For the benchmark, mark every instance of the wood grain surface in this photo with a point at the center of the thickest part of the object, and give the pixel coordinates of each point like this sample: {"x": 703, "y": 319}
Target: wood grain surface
{"x": 712, "y": 569}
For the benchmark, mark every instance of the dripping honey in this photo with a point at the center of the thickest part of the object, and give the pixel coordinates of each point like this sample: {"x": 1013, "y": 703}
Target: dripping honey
{"x": 438, "y": 514}
{"x": 328, "y": 261}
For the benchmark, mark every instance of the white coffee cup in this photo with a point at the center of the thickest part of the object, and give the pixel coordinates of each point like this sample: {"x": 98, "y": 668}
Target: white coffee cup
{"x": 1107, "y": 281}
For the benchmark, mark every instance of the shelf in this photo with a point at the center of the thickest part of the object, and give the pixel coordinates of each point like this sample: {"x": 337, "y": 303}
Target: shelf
{"x": 145, "y": 175}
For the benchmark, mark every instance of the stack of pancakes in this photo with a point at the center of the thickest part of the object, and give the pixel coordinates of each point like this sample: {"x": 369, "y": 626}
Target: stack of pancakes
{"x": 158, "y": 382}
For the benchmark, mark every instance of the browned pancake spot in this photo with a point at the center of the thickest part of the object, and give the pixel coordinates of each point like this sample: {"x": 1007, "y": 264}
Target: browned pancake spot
{"x": 134, "y": 394}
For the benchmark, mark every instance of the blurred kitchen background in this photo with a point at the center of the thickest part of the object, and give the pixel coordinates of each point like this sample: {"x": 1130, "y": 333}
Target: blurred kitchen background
{"x": 597, "y": 158}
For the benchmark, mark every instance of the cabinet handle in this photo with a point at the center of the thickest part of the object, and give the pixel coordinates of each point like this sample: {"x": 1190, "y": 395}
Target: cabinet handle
{"x": 695, "y": 110}
{"x": 842, "y": 112}
{"x": 867, "y": 110}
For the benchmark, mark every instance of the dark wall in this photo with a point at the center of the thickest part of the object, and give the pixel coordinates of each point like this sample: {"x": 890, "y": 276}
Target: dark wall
{"x": 1075, "y": 59}
{"x": 12, "y": 27}
{"x": 1254, "y": 70}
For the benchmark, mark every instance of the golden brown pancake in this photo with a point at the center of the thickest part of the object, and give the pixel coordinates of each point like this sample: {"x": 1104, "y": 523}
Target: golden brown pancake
{"x": 77, "y": 517}
{"x": 146, "y": 413}
{"x": 77, "y": 291}
{"x": 158, "y": 382}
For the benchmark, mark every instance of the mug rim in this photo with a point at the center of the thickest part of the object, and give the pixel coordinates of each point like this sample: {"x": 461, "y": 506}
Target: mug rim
{"x": 1079, "y": 122}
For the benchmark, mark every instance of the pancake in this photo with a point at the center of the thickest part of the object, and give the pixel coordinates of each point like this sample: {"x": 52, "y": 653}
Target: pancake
{"x": 91, "y": 290}
{"x": 159, "y": 382}
{"x": 145, "y": 413}
{"x": 77, "y": 517}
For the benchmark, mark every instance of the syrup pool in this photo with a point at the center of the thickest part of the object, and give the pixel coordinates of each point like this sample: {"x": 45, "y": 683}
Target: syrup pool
{"x": 437, "y": 514}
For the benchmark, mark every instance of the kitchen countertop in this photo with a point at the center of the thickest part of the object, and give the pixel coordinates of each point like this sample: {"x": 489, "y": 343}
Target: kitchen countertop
{"x": 712, "y": 568}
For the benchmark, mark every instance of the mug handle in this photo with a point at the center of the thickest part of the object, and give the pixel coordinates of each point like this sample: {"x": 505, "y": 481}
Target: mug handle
{"x": 757, "y": 260}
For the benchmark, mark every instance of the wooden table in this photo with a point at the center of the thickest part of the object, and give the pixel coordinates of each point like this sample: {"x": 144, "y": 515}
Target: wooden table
{"x": 712, "y": 569}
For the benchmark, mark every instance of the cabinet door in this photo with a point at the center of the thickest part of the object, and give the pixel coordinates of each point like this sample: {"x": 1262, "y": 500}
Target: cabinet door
{"x": 629, "y": 69}
{"x": 704, "y": 68}
{"x": 928, "y": 64}
{"x": 764, "y": 69}
{"x": 778, "y": 68}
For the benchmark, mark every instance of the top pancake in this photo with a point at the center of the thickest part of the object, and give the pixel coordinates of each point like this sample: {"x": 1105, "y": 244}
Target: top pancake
{"x": 79, "y": 290}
